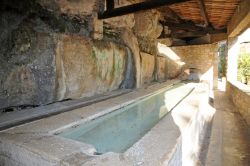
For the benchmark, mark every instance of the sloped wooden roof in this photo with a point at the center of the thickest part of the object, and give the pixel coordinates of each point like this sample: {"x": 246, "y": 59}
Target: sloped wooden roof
{"x": 219, "y": 11}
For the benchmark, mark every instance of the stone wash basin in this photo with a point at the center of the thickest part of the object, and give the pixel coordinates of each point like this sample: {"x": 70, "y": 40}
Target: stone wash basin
{"x": 132, "y": 129}
{"x": 120, "y": 129}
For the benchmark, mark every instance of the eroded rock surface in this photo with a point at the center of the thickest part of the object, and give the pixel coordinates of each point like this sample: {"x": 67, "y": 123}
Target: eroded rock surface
{"x": 86, "y": 67}
{"x": 147, "y": 24}
{"x": 48, "y": 50}
{"x": 148, "y": 66}
{"x": 28, "y": 69}
{"x": 161, "y": 68}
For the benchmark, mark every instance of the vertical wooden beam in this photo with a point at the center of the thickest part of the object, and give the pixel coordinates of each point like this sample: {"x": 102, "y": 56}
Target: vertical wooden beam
{"x": 203, "y": 12}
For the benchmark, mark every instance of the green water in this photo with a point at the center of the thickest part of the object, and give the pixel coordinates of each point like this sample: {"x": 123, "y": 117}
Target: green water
{"x": 117, "y": 131}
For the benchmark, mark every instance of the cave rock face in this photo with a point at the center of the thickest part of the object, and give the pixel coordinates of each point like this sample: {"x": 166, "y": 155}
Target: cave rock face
{"x": 147, "y": 24}
{"x": 86, "y": 67}
{"x": 49, "y": 53}
{"x": 41, "y": 68}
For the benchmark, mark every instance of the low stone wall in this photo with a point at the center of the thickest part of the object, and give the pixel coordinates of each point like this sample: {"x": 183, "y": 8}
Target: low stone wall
{"x": 240, "y": 96}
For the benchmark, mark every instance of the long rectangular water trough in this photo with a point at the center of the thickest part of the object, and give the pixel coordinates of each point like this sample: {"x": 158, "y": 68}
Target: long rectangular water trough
{"x": 120, "y": 129}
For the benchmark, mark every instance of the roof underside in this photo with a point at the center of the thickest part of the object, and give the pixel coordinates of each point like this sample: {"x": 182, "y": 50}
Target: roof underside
{"x": 219, "y": 11}
{"x": 191, "y": 21}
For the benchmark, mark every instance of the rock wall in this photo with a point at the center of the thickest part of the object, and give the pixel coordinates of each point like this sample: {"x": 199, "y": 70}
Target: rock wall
{"x": 49, "y": 51}
{"x": 173, "y": 63}
{"x": 161, "y": 68}
{"x": 28, "y": 69}
{"x": 147, "y": 67}
{"x": 54, "y": 67}
{"x": 85, "y": 67}
{"x": 147, "y": 24}
{"x": 56, "y": 50}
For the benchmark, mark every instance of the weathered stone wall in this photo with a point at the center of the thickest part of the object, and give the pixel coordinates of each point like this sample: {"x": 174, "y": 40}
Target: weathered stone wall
{"x": 86, "y": 67}
{"x": 173, "y": 63}
{"x": 188, "y": 62}
{"x": 160, "y": 62}
{"x": 49, "y": 51}
{"x": 239, "y": 94}
{"x": 52, "y": 67}
{"x": 55, "y": 50}
{"x": 147, "y": 24}
{"x": 200, "y": 57}
{"x": 161, "y": 68}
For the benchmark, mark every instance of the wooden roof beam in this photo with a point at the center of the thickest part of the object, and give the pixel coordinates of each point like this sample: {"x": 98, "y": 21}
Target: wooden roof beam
{"x": 169, "y": 14}
{"x": 204, "y": 12}
{"x": 183, "y": 26}
{"x": 151, "y": 4}
{"x": 199, "y": 33}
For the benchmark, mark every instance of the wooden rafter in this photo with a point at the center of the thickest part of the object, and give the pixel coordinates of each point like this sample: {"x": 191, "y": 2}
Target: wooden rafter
{"x": 192, "y": 34}
{"x": 169, "y": 14}
{"x": 151, "y": 4}
{"x": 204, "y": 12}
{"x": 183, "y": 26}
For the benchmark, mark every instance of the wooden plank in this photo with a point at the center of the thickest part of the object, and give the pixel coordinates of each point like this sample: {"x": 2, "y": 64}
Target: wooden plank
{"x": 137, "y": 7}
{"x": 201, "y": 33}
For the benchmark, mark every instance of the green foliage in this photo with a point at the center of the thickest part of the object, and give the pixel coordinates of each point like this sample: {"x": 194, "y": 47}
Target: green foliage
{"x": 222, "y": 60}
{"x": 222, "y": 67}
{"x": 244, "y": 68}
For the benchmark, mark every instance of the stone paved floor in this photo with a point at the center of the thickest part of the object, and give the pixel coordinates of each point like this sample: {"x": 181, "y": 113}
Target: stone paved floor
{"x": 230, "y": 138}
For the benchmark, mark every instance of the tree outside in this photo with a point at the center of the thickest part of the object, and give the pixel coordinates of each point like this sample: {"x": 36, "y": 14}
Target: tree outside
{"x": 244, "y": 63}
